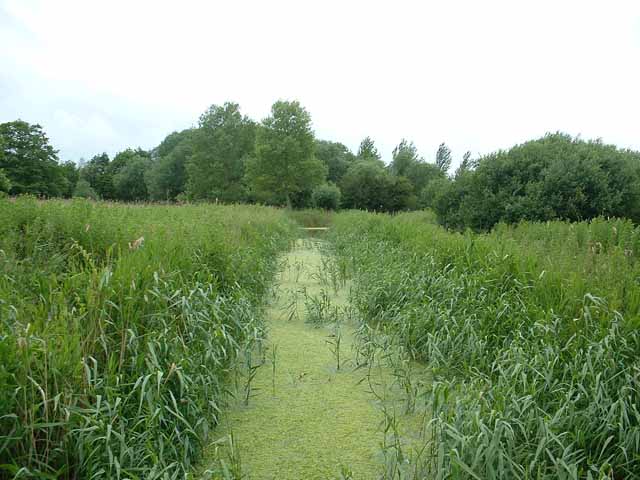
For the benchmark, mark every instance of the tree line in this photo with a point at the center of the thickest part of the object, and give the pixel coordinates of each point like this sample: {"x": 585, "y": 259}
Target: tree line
{"x": 227, "y": 158}
{"x": 230, "y": 158}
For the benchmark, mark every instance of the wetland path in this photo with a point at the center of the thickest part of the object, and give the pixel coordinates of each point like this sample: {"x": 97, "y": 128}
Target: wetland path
{"x": 305, "y": 418}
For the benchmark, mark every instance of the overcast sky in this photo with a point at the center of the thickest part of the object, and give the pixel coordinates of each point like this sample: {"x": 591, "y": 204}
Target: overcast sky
{"x": 478, "y": 75}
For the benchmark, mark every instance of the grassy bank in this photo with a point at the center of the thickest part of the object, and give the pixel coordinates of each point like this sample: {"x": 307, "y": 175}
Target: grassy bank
{"x": 531, "y": 333}
{"x": 119, "y": 326}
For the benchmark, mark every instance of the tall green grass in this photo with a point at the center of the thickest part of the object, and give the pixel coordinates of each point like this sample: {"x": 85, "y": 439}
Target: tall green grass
{"x": 115, "y": 351}
{"x": 312, "y": 217}
{"x": 531, "y": 332}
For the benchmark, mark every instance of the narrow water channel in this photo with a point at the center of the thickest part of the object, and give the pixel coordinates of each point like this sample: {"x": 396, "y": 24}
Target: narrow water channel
{"x": 306, "y": 419}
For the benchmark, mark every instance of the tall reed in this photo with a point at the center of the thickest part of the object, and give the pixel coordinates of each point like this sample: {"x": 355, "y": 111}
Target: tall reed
{"x": 531, "y": 332}
{"x": 119, "y": 328}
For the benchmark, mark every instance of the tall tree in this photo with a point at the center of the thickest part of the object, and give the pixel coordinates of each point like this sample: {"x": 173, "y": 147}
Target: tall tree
{"x": 98, "y": 174}
{"x": 84, "y": 190}
{"x": 420, "y": 174}
{"x": 170, "y": 142}
{"x": 405, "y": 156}
{"x": 123, "y": 158}
{"x": 368, "y": 185}
{"x": 5, "y": 184}
{"x": 284, "y": 166}
{"x": 70, "y": 172}
{"x": 29, "y": 161}
{"x": 128, "y": 181}
{"x": 336, "y": 156}
{"x": 167, "y": 176}
{"x": 368, "y": 150}
{"x": 443, "y": 158}
{"x": 220, "y": 146}
{"x": 465, "y": 165}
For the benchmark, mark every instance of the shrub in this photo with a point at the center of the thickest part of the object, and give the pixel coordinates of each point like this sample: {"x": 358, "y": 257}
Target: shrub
{"x": 84, "y": 190}
{"x": 367, "y": 185}
{"x": 5, "y": 183}
{"x": 555, "y": 177}
{"x": 326, "y": 196}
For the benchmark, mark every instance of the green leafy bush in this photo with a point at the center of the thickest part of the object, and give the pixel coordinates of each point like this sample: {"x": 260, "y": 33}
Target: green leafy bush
{"x": 555, "y": 177}
{"x": 84, "y": 190}
{"x": 326, "y": 197}
{"x": 5, "y": 183}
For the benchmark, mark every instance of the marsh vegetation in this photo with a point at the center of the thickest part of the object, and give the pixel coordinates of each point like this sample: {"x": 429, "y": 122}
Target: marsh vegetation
{"x": 205, "y": 341}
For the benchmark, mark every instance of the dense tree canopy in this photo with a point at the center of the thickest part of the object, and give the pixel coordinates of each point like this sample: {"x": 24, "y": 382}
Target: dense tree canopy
{"x": 166, "y": 177}
{"x": 83, "y": 190}
{"x": 170, "y": 142}
{"x": 405, "y": 156}
{"x": 555, "y": 177}
{"x": 368, "y": 150}
{"x": 466, "y": 164}
{"x": 230, "y": 158}
{"x": 369, "y": 186}
{"x": 326, "y": 196}
{"x": 97, "y": 173}
{"x": 219, "y": 148}
{"x": 443, "y": 158}
{"x": 336, "y": 157}
{"x": 29, "y": 161}
{"x": 69, "y": 171}
{"x": 5, "y": 183}
{"x": 284, "y": 166}
{"x": 128, "y": 181}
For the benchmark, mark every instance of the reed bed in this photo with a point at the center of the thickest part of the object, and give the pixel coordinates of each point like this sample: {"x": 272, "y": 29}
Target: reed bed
{"x": 312, "y": 217}
{"x": 530, "y": 333}
{"x": 120, "y": 326}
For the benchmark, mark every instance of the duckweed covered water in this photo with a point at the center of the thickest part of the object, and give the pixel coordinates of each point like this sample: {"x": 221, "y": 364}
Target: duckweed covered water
{"x": 319, "y": 422}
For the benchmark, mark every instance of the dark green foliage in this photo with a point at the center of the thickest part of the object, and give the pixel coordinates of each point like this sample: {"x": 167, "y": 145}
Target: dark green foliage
{"x": 424, "y": 178}
{"x": 405, "y": 157}
{"x": 5, "y": 183}
{"x": 124, "y": 158}
{"x": 284, "y": 167}
{"x": 167, "y": 176}
{"x": 29, "y": 161}
{"x": 362, "y": 186}
{"x": 170, "y": 142}
{"x": 368, "y": 151}
{"x": 466, "y": 164}
{"x": 443, "y": 158}
{"x": 128, "y": 182}
{"x": 83, "y": 190}
{"x": 228, "y": 158}
{"x": 122, "y": 178}
{"x": 326, "y": 196}
{"x": 369, "y": 186}
{"x": 398, "y": 195}
{"x": 220, "y": 146}
{"x": 99, "y": 176}
{"x": 336, "y": 157}
{"x": 433, "y": 191}
{"x": 71, "y": 174}
{"x": 555, "y": 177}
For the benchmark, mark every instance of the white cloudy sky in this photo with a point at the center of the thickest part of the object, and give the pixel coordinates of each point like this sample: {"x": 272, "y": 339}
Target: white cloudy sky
{"x": 479, "y": 75}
